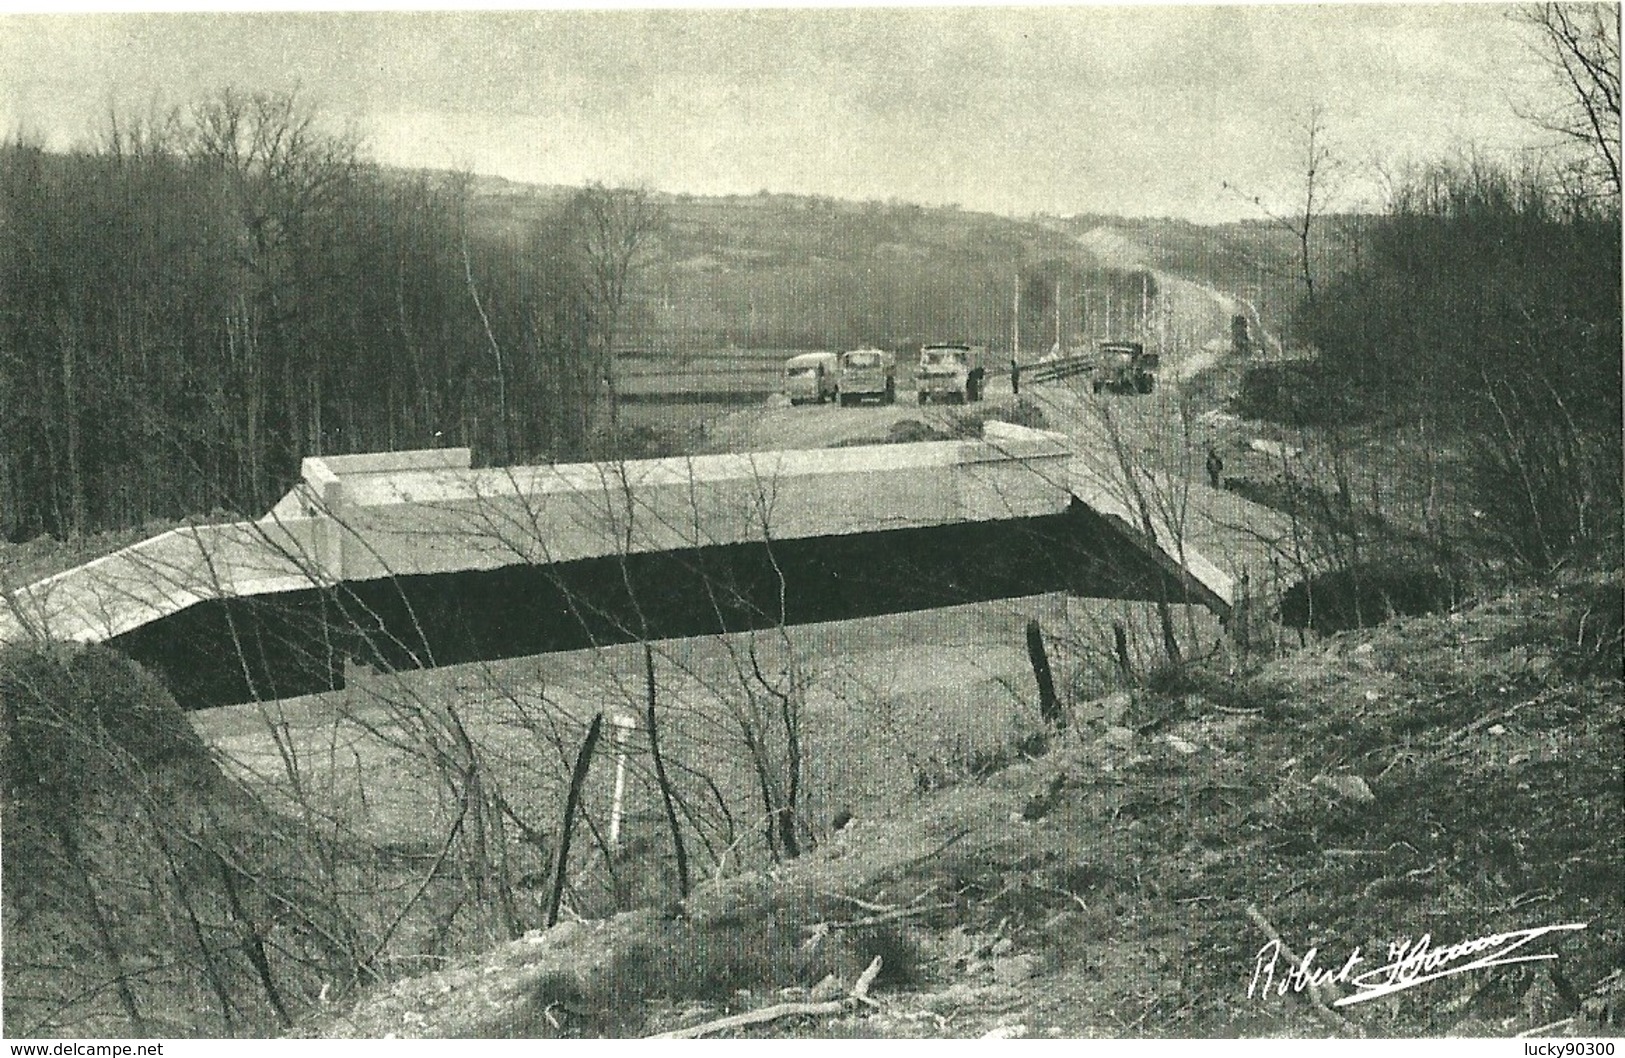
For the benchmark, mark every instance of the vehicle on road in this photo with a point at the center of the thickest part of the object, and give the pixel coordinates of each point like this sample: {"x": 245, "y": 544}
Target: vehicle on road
{"x": 950, "y": 371}
{"x": 1124, "y": 367}
{"x": 812, "y": 378}
{"x": 868, "y": 374}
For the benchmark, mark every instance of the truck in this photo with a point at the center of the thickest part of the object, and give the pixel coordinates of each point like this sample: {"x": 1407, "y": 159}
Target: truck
{"x": 868, "y": 373}
{"x": 950, "y": 371}
{"x": 812, "y": 378}
{"x": 1124, "y": 367}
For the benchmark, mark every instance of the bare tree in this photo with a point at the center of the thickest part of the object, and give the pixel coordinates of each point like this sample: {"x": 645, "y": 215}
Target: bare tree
{"x": 281, "y": 173}
{"x": 614, "y": 228}
{"x": 1317, "y": 160}
{"x": 1581, "y": 43}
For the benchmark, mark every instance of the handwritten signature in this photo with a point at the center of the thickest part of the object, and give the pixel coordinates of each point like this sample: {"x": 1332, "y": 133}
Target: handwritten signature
{"x": 1410, "y": 963}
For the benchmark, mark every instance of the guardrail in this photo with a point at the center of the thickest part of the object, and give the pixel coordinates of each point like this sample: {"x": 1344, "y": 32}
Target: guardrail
{"x": 1054, "y": 370}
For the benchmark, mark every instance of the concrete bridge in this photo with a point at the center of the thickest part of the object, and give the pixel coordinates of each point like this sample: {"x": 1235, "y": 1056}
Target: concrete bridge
{"x": 415, "y": 559}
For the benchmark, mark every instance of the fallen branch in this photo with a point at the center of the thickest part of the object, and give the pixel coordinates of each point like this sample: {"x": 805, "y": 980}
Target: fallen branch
{"x": 889, "y": 916}
{"x": 1476, "y": 726}
{"x": 1545, "y": 1030}
{"x": 1067, "y": 893}
{"x": 1322, "y": 1008}
{"x": 1492, "y": 718}
{"x": 867, "y": 905}
{"x": 859, "y": 994}
{"x": 878, "y": 908}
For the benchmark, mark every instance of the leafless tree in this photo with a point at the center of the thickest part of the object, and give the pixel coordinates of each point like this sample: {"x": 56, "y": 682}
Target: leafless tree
{"x": 614, "y": 229}
{"x": 281, "y": 172}
{"x": 1581, "y": 44}
{"x": 1317, "y": 160}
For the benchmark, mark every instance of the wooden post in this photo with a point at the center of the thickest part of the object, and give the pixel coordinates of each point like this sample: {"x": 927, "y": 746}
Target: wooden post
{"x": 578, "y": 778}
{"x": 660, "y": 774}
{"x": 1120, "y": 639}
{"x": 1049, "y": 706}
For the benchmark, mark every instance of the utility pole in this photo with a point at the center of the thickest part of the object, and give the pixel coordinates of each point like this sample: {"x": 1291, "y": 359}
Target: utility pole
{"x": 1145, "y": 307}
{"x": 1058, "y": 313}
{"x": 1015, "y": 321}
{"x": 1259, "y": 309}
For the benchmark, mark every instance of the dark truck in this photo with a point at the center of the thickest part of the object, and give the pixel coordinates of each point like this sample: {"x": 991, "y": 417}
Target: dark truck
{"x": 950, "y": 371}
{"x": 1124, "y": 367}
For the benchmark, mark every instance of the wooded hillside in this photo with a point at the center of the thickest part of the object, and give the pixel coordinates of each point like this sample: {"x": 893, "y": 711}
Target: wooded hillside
{"x": 199, "y": 300}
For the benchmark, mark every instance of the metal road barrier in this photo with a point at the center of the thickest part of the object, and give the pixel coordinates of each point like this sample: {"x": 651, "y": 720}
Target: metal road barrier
{"x": 1054, "y": 370}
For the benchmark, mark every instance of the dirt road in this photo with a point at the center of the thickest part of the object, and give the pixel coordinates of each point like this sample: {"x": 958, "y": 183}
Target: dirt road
{"x": 1193, "y": 319}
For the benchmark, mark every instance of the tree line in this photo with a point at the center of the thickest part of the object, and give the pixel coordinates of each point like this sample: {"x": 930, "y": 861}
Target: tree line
{"x": 201, "y": 298}
{"x": 1488, "y": 303}
{"x": 1482, "y": 309}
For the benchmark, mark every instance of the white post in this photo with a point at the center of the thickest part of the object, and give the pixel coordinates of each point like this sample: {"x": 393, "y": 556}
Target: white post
{"x": 1015, "y": 320}
{"x": 623, "y": 724}
{"x": 1145, "y": 305}
{"x": 1058, "y": 349}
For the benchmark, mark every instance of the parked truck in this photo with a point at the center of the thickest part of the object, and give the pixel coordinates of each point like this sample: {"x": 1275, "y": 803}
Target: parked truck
{"x": 1124, "y": 367}
{"x": 812, "y": 378}
{"x": 950, "y": 371}
{"x": 868, "y": 374}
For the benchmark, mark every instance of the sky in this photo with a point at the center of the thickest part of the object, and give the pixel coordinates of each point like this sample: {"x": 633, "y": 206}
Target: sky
{"x": 1139, "y": 110}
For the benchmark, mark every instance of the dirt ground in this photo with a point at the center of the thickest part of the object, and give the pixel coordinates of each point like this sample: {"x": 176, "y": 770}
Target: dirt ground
{"x": 1140, "y": 878}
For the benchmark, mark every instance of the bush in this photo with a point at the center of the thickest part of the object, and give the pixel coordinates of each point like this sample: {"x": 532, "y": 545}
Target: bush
{"x": 1295, "y": 393}
{"x": 1488, "y": 302}
{"x": 1548, "y": 496}
{"x": 77, "y": 718}
{"x": 1364, "y": 595}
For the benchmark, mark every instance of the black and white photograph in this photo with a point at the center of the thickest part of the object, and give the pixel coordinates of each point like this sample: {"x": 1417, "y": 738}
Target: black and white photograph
{"x": 921, "y": 522}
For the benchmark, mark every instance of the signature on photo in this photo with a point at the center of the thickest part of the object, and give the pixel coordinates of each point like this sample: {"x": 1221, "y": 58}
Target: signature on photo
{"x": 1410, "y": 963}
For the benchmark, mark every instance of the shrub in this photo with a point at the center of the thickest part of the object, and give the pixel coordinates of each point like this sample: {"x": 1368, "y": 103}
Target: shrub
{"x": 77, "y": 717}
{"x": 1363, "y": 595}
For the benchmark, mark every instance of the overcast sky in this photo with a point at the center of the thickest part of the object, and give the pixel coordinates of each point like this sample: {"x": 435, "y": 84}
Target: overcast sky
{"x": 1138, "y": 110}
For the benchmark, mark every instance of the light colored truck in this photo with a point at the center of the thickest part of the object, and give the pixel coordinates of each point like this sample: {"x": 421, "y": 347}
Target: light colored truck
{"x": 1124, "y": 367}
{"x": 868, "y": 374}
{"x": 812, "y": 378}
{"x": 950, "y": 371}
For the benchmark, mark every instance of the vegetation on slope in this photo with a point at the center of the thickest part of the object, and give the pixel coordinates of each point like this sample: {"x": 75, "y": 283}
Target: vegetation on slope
{"x": 1454, "y": 775}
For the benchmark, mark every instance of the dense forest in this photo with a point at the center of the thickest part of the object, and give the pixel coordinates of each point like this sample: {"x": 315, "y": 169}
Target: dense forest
{"x": 1485, "y": 309}
{"x": 199, "y": 301}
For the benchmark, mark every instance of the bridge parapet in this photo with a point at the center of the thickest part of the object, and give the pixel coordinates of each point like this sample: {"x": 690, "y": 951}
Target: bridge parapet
{"x": 364, "y": 517}
{"x": 118, "y": 592}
